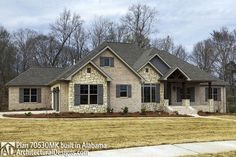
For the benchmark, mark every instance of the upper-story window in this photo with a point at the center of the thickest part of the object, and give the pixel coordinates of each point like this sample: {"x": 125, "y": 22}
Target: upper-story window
{"x": 106, "y": 61}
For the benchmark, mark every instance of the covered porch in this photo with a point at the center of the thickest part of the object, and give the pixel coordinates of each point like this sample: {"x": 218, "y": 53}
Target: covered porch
{"x": 180, "y": 90}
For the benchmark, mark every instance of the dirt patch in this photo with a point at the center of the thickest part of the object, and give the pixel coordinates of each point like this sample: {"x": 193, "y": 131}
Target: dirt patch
{"x": 201, "y": 113}
{"x": 94, "y": 115}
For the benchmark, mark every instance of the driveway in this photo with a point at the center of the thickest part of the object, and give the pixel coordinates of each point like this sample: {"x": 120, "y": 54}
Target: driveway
{"x": 170, "y": 150}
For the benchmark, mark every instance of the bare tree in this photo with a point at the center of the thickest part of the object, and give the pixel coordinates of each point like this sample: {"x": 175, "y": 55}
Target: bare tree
{"x": 62, "y": 31}
{"x": 45, "y": 50}
{"x": 7, "y": 56}
{"x": 204, "y": 55}
{"x": 100, "y": 30}
{"x": 139, "y": 22}
{"x": 167, "y": 44}
{"x": 24, "y": 44}
{"x": 181, "y": 53}
{"x": 224, "y": 44}
{"x": 7, "y": 61}
{"x": 79, "y": 43}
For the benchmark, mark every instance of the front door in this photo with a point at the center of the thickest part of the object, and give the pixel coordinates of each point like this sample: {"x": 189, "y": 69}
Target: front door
{"x": 56, "y": 98}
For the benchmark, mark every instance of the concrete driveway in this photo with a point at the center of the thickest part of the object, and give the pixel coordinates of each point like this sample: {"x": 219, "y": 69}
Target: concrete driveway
{"x": 170, "y": 150}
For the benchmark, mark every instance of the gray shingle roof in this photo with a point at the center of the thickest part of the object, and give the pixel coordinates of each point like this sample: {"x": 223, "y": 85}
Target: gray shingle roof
{"x": 36, "y": 77}
{"x": 134, "y": 56}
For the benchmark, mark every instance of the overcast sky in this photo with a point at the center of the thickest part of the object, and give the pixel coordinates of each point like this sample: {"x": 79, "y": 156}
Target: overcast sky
{"x": 187, "y": 21}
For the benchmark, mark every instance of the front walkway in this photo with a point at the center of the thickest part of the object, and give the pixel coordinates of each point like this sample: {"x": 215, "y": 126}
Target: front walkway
{"x": 170, "y": 150}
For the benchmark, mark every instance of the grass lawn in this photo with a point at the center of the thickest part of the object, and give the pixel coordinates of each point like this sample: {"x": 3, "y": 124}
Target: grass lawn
{"x": 118, "y": 132}
{"x": 228, "y": 117}
{"x": 223, "y": 154}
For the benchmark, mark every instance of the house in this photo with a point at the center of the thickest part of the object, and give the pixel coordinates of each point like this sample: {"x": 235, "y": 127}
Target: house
{"x": 118, "y": 75}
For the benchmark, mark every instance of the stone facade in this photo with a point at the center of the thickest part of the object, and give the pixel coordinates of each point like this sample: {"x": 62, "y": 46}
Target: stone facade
{"x": 14, "y": 103}
{"x": 151, "y": 76}
{"x": 121, "y": 74}
{"x": 82, "y": 77}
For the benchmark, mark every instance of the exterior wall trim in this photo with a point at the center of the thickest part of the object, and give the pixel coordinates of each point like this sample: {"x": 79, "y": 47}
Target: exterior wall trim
{"x": 90, "y": 62}
{"x": 151, "y": 66}
{"x": 180, "y": 71}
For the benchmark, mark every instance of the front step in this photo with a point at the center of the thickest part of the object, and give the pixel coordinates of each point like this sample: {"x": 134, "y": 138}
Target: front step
{"x": 184, "y": 110}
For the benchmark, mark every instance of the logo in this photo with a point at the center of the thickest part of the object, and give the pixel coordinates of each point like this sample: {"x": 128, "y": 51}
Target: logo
{"x": 7, "y": 148}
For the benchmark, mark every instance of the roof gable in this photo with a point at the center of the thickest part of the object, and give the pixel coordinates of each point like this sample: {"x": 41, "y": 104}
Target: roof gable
{"x": 160, "y": 64}
{"x": 67, "y": 75}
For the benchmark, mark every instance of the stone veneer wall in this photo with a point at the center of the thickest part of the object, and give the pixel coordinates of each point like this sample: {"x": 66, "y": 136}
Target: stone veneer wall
{"x": 82, "y": 77}
{"x": 152, "y": 77}
{"x": 14, "y": 103}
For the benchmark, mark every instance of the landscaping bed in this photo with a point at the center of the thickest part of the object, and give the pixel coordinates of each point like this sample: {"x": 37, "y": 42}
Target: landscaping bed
{"x": 94, "y": 115}
{"x": 201, "y": 113}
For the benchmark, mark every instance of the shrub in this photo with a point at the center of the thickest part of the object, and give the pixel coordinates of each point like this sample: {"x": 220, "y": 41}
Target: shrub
{"x": 125, "y": 110}
{"x": 28, "y": 114}
{"x": 56, "y": 114}
{"x": 143, "y": 111}
{"x": 109, "y": 110}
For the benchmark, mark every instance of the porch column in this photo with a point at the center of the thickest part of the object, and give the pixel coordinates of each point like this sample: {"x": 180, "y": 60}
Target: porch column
{"x": 184, "y": 90}
{"x": 210, "y": 100}
{"x": 209, "y": 90}
{"x": 165, "y": 94}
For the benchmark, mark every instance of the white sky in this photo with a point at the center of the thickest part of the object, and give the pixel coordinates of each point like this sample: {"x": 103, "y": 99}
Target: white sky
{"x": 187, "y": 21}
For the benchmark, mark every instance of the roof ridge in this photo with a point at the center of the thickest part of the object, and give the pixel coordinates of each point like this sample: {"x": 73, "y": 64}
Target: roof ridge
{"x": 46, "y": 68}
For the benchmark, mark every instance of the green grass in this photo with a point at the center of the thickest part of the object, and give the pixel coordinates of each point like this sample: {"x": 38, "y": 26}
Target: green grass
{"x": 118, "y": 132}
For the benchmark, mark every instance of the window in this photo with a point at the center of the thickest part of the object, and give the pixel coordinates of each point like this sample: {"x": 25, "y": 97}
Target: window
{"x": 84, "y": 94}
{"x": 149, "y": 93}
{"x": 123, "y": 91}
{"x": 33, "y": 95}
{"x": 88, "y": 94}
{"x": 26, "y": 95}
{"x": 106, "y": 61}
{"x": 88, "y": 70}
{"x": 146, "y": 70}
{"x": 216, "y": 94}
{"x": 30, "y": 95}
{"x": 93, "y": 94}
